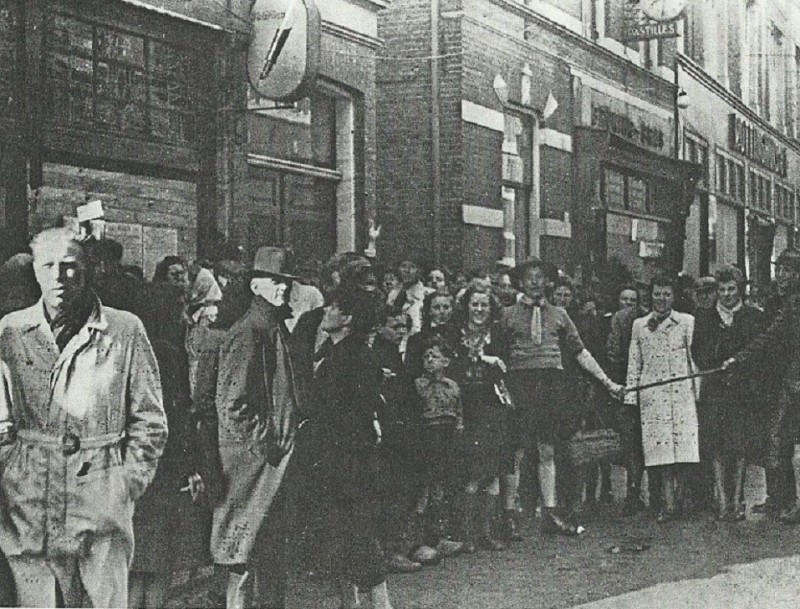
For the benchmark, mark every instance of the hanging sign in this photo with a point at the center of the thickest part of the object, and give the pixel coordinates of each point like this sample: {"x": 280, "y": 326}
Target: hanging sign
{"x": 651, "y": 19}
{"x": 284, "y": 50}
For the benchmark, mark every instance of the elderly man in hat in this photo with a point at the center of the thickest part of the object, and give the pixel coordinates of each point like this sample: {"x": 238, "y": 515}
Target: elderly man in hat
{"x": 82, "y": 427}
{"x": 257, "y": 407}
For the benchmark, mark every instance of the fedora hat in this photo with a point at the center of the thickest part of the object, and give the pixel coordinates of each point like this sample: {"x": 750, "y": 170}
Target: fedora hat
{"x": 273, "y": 261}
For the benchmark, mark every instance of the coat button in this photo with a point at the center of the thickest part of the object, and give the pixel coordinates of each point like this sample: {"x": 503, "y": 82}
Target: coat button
{"x": 70, "y": 444}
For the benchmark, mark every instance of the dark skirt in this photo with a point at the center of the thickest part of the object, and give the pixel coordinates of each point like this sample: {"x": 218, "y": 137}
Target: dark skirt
{"x": 543, "y": 409}
{"x": 170, "y": 532}
{"x": 485, "y": 429}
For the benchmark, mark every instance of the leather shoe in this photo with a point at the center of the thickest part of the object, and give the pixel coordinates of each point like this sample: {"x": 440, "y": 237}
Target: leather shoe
{"x": 426, "y": 556}
{"x": 552, "y": 523}
{"x": 447, "y": 547}
{"x": 401, "y": 564}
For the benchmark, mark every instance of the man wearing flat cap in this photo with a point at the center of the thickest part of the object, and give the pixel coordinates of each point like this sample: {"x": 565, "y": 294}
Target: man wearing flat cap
{"x": 257, "y": 407}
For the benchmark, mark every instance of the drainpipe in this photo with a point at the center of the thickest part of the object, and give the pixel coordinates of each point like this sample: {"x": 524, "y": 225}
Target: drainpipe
{"x": 436, "y": 154}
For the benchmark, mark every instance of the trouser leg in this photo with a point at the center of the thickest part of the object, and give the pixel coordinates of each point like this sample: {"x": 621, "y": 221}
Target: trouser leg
{"x": 34, "y": 581}
{"x": 104, "y": 573}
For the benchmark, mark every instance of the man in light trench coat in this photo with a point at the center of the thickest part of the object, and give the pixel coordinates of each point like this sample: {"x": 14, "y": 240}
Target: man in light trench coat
{"x": 257, "y": 407}
{"x": 82, "y": 426}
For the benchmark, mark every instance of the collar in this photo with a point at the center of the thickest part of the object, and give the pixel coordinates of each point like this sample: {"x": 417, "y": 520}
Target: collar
{"x": 530, "y": 302}
{"x": 34, "y": 317}
{"x": 724, "y": 310}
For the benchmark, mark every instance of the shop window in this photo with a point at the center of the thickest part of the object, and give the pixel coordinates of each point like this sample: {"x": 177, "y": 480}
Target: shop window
{"x": 627, "y": 191}
{"x": 304, "y": 131}
{"x": 697, "y": 152}
{"x": 637, "y": 195}
{"x": 614, "y": 189}
{"x": 712, "y": 232}
{"x": 110, "y": 79}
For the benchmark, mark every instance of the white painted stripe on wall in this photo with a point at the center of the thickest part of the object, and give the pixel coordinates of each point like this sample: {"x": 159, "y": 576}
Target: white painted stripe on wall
{"x": 481, "y": 115}
{"x": 620, "y": 49}
{"x": 556, "y": 14}
{"x": 555, "y": 139}
{"x": 609, "y": 88}
{"x": 482, "y": 216}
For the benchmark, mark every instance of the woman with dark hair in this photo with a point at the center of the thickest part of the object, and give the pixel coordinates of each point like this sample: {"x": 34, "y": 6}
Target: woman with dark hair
{"x": 661, "y": 349}
{"x": 171, "y": 530}
{"x": 478, "y": 365}
{"x": 347, "y": 385}
{"x": 173, "y": 270}
{"x": 731, "y": 423}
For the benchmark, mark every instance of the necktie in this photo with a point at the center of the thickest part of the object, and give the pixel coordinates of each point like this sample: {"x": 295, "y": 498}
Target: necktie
{"x": 536, "y": 324}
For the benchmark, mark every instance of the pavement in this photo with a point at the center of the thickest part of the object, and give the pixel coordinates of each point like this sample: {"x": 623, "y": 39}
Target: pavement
{"x": 619, "y": 563}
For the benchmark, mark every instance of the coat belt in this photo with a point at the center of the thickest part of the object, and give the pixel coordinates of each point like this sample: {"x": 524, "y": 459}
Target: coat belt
{"x": 69, "y": 443}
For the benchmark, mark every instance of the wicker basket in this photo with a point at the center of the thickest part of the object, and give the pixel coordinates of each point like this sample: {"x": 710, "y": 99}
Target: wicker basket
{"x": 592, "y": 446}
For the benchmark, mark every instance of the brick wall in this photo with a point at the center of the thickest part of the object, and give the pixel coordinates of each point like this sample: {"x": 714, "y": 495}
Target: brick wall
{"x": 133, "y": 203}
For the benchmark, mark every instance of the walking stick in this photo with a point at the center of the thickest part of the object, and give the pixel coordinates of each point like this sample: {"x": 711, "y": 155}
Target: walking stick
{"x": 674, "y": 380}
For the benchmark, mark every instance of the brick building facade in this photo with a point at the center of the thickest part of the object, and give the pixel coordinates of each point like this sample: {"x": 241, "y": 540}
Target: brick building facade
{"x": 474, "y": 169}
{"x": 551, "y": 139}
{"x": 146, "y": 106}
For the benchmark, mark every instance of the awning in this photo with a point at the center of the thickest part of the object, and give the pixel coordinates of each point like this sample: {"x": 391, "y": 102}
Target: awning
{"x": 212, "y": 14}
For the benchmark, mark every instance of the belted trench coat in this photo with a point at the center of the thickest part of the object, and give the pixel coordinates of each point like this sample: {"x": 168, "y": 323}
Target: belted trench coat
{"x": 669, "y": 412}
{"x": 90, "y": 430}
{"x": 256, "y": 404}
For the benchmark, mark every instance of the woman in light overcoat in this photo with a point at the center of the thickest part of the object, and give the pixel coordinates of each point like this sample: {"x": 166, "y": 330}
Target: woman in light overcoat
{"x": 661, "y": 349}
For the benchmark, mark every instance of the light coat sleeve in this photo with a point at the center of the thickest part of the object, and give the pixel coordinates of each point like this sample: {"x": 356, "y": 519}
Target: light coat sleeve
{"x": 634, "y": 363}
{"x": 146, "y": 422}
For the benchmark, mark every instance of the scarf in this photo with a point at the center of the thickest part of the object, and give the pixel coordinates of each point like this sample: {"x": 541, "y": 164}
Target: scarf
{"x": 656, "y": 320}
{"x": 536, "y": 317}
{"x": 74, "y": 314}
{"x": 726, "y": 315}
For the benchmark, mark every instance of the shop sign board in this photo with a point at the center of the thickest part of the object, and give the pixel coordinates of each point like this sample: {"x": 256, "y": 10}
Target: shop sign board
{"x": 649, "y": 20}
{"x": 283, "y": 55}
{"x": 642, "y": 134}
{"x": 756, "y": 145}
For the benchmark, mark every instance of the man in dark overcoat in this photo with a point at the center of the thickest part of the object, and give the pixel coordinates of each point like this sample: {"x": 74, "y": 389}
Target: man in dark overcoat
{"x": 776, "y": 351}
{"x": 257, "y": 407}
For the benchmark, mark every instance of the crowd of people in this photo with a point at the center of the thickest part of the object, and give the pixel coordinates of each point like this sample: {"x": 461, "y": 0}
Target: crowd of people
{"x": 359, "y": 419}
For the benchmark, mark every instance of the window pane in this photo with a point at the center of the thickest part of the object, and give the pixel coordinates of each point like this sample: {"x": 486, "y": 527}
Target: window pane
{"x": 614, "y": 188}
{"x": 637, "y": 194}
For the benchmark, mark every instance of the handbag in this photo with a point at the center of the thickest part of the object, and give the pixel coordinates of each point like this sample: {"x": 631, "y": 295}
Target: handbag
{"x": 585, "y": 447}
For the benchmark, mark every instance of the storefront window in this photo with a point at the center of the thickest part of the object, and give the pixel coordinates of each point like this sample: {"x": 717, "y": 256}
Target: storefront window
{"x": 304, "y": 131}
{"x": 627, "y": 191}
{"x": 107, "y": 78}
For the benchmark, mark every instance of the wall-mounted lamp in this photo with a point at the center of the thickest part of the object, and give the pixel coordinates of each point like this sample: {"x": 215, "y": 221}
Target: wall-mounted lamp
{"x": 682, "y": 99}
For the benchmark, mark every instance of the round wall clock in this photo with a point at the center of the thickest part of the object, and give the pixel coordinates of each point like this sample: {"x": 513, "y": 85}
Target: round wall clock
{"x": 663, "y": 10}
